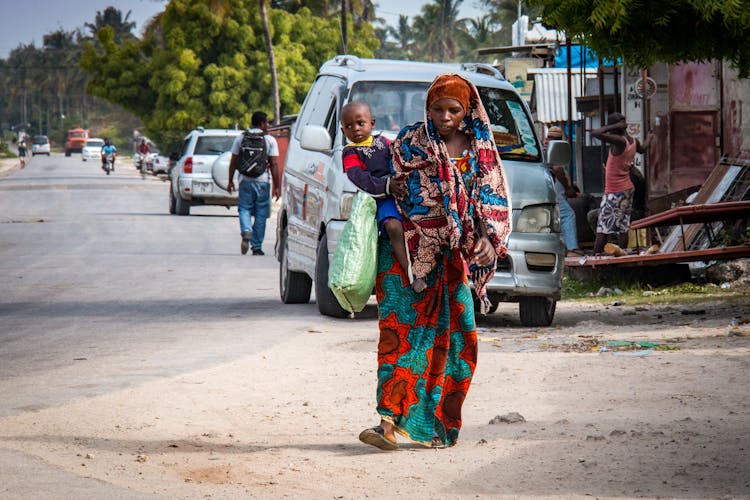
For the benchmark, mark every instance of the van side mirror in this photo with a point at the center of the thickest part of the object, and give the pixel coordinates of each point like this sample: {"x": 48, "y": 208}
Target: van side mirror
{"x": 315, "y": 138}
{"x": 558, "y": 153}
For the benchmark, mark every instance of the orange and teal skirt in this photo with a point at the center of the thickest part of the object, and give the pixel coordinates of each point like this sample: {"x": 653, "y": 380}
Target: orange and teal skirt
{"x": 427, "y": 350}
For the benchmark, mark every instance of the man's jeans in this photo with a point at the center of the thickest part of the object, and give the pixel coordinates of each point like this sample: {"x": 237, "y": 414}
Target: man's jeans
{"x": 567, "y": 223}
{"x": 254, "y": 207}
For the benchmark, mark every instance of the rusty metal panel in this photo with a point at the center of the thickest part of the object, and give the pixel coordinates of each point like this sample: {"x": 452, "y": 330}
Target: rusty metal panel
{"x": 694, "y": 86}
{"x": 735, "y": 114}
{"x": 693, "y": 147}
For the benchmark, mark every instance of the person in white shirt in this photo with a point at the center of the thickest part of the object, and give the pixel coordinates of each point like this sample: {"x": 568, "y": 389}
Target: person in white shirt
{"x": 254, "y": 203}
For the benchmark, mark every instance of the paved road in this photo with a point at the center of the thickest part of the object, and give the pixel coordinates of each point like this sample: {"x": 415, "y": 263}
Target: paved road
{"x": 99, "y": 281}
{"x": 101, "y": 289}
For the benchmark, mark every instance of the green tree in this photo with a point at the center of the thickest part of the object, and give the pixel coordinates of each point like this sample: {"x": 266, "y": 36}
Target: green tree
{"x": 671, "y": 31}
{"x": 206, "y": 63}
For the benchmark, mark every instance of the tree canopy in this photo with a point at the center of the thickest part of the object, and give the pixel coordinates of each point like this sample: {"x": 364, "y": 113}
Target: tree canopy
{"x": 205, "y": 63}
{"x": 643, "y": 32}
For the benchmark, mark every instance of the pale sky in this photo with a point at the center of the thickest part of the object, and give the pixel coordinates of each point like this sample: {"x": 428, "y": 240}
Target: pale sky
{"x": 28, "y": 21}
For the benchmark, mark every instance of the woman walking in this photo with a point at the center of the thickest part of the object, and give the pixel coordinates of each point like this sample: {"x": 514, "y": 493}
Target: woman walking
{"x": 452, "y": 193}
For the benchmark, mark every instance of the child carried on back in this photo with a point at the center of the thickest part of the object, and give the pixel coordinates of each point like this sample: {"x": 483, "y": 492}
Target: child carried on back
{"x": 367, "y": 163}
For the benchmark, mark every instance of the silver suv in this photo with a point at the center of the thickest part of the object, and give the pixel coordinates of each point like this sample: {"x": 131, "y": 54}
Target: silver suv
{"x": 192, "y": 179}
{"x": 317, "y": 196}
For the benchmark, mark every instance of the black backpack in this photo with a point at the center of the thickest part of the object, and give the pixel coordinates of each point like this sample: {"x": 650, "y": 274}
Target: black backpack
{"x": 253, "y": 157}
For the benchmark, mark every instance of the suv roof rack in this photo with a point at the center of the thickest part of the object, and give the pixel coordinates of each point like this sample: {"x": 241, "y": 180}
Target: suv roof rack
{"x": 484, "y": 68}
{"x": 346, "y": 59}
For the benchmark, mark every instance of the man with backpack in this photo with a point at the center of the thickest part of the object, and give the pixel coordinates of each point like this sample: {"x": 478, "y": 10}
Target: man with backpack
{"x": 254, "y": 153}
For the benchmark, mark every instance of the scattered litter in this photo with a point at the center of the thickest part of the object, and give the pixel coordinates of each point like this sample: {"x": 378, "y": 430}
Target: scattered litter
{"x": 481, "y": 338}
{"x": 726, "y": 285}
{"x": 635, "y": 354}
{"x": 602, "y": 292}
{"x": 510, "y": 418}
{"x": 141, "y": 458}
{"x": 736, "y": 331}
{"x": 482, "y": 441}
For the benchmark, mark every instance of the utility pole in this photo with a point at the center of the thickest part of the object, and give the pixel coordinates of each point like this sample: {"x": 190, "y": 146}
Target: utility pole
{"x": 344, "y": 27}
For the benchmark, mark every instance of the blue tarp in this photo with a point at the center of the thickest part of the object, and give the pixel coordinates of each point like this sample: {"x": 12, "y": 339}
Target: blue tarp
{"x": 577, "y": 53}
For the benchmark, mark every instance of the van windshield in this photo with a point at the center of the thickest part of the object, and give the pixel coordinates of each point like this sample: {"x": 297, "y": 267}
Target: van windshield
{"x": 396, "y": 104}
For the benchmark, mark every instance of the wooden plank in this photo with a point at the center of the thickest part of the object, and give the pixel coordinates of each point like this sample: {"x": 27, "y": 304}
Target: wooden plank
{"x": 706, "y": 254}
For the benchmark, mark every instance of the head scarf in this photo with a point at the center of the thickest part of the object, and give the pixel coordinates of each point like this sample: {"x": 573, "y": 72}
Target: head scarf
{"x": 445, "y": 208}
{"x": 449, "y": 86}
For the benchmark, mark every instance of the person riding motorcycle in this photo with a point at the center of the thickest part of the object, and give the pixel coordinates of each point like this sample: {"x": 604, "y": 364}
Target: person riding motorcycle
{"x": 108, "y": 150}
{"x": 143, "y": 151}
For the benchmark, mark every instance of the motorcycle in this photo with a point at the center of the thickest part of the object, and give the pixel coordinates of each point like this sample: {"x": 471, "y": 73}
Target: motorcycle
{"x": 109, "y": 164}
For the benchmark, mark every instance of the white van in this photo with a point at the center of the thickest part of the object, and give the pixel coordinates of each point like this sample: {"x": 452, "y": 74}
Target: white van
{"x": 317, "y": 195}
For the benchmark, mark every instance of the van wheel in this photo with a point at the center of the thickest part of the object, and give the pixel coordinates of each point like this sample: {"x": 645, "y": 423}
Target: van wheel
{"x": 294, "y": 287}
{"x": 67, "y": 152}
{"x": 536, "y": 311}
{"x": 327, "y": 303}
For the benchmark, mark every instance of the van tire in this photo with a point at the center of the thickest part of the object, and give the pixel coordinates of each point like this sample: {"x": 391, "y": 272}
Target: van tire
{"x": 67, "y": 152}
{"x": 327, "y": 303}
{"x": 536, "y": 311}
{"x": 294, "y": 287}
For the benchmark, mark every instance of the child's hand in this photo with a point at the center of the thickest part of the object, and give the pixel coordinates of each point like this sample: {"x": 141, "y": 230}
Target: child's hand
{"x": 398, "y": 187}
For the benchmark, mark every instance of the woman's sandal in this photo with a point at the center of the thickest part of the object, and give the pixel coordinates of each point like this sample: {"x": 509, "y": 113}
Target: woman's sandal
{"x": 375, "y": 436}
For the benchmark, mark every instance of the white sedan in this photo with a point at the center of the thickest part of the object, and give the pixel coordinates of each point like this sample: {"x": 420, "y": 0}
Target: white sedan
{"x": 92, "y": 150}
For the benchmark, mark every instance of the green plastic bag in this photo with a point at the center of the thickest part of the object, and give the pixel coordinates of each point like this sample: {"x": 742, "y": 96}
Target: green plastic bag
{"x": 351, "y": 276}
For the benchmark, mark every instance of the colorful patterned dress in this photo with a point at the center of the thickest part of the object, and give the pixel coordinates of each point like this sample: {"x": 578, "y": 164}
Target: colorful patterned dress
{"x": 427, "y": 351}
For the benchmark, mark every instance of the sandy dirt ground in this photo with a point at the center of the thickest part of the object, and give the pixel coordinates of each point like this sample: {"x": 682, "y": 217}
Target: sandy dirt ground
{"x": 283, "y": 423}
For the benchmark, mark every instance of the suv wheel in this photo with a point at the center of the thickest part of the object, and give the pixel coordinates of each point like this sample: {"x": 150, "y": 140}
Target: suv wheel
{"x": 327, "y": 303}
{"x": 172, "y": 201}
{"x": 181, "y": 207}
{"x": 536, "y": 311}
{"x": 294, "y": 287}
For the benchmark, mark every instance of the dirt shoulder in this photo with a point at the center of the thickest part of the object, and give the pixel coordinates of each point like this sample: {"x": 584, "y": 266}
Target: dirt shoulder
{"x": 601, "y": 419}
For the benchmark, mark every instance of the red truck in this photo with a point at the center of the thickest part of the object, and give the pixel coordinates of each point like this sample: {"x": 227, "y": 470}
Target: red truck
{"x": 75, "y": 140}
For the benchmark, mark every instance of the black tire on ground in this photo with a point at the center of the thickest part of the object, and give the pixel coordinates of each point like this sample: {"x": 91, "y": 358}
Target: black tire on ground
{"x": 536, "y": 311}
{"x": 294, "y": 287}
{"x": 181, "y": 207}
{"x": 327, "y": 303}
{"x": 172, "y": 201}
{"x": 67, "y": 152}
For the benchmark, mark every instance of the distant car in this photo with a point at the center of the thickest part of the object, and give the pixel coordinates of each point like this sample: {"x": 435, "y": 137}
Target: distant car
{"x": 159, "y": 163}
{"x": 191, "y": 179}
{"x": 92, "y": 150}
{"x": 40, "y": 145}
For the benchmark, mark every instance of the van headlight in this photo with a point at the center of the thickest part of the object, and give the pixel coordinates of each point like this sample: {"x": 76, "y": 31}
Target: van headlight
{"x": 539, "y": 219}
{"x": 347, "y": 200}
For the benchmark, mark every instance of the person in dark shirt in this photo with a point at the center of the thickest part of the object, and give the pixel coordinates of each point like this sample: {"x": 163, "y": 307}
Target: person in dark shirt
{"x": 367, "y": 163}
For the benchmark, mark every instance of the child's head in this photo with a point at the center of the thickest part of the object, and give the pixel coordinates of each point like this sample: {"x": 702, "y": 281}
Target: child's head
{"x": 447, "y": 103}
{"x": 356, "y": 121}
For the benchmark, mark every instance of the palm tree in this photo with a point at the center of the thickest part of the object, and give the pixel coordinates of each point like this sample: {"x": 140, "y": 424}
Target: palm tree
{"x": 403, "y": 34}
{"x": 113, "y": 17}
{"x": 442, "y": 14}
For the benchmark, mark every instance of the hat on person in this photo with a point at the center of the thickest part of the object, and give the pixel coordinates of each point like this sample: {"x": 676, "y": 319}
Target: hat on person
{"x": 449, "y": 86}
{"x": 554, "y": 133}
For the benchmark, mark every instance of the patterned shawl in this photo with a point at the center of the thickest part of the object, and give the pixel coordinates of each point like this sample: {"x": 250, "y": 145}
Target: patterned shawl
{"x": 444, "y": 209}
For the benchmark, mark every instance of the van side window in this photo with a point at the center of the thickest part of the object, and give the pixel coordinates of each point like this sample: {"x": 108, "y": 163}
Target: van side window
{"x": 332, "y": 123}
{"x": 317, "y": 106}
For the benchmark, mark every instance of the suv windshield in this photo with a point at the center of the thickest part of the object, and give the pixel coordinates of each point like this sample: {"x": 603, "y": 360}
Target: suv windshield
{"x": 396, "y": 104}
{"x": 40, "y": 139}
{"x": 208, "y": 145}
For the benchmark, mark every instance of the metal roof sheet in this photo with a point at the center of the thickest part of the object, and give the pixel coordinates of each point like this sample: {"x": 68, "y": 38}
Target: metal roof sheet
{"x": 551, "y": 89}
